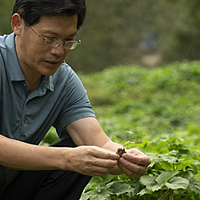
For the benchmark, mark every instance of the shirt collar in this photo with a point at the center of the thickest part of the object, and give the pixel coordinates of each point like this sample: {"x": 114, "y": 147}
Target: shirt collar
{"x": 14, "y": 67}
{"x": 12, "y": 60}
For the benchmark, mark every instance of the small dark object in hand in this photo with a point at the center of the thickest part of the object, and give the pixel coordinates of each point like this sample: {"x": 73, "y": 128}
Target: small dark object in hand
{"x": 120, "y": 151}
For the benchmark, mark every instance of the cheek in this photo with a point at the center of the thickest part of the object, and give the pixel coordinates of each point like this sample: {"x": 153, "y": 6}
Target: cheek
{"x": 33, "y": 48}
{"x": 37, "y": 53}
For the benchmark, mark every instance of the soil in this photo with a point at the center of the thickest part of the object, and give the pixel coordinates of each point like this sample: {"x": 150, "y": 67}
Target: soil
{"x": 120, "y": 151}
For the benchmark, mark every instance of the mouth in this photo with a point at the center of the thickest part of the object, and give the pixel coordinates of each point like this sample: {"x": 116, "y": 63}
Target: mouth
{"x": 53, "y": 63}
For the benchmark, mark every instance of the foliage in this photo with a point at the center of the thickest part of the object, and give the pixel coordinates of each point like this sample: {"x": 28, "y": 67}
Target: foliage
{"x": 162, "y": 102}
{"x": 173, "y": 170}
{"x": 50, "y": 137}
{"x": 156, "y": 101}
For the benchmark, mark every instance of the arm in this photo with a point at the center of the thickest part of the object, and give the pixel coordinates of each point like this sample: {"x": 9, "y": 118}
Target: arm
{"x": 22, "y": 156}
{"x": 87, "y": 131}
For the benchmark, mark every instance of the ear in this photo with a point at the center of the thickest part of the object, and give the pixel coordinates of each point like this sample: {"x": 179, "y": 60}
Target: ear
{"x": 16, "y": 23}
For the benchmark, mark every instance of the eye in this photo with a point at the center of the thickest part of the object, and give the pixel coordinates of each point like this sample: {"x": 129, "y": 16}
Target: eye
{"x": 49, "y": 41}
{"x": 50, "y": 38}
{"x": 68, "y": 40}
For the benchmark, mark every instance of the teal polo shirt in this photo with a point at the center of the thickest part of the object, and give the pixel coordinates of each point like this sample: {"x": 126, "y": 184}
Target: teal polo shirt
{"x": 59, "y": 100}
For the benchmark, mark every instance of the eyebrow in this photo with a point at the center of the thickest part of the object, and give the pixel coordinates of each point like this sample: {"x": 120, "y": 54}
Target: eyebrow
{"x": 53, "y": 33}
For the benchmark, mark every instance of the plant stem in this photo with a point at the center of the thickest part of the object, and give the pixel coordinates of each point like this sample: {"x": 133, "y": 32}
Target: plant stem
{"x": 172, "y": 195}
{"x": 123, "y": 197}
{"x": 164, "y": 195}
{"x": 125, "y": 139}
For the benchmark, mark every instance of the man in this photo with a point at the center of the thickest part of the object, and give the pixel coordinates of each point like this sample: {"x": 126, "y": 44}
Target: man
{"x": 39, "y": 90}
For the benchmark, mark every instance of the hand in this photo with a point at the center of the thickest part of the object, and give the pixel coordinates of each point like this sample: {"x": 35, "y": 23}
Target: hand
{"x": 134, "y": 163}
{"x": 92, "y": 161}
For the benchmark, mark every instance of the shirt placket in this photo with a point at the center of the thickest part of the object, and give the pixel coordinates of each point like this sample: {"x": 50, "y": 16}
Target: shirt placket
{"x": 24, "y": 119}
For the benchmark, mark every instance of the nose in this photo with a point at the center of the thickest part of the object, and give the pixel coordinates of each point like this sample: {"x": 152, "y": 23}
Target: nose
{"x": 59, "y": 50}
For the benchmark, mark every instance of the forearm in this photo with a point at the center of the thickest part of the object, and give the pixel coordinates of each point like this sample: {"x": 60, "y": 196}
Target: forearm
{"x": 19, "y": 155}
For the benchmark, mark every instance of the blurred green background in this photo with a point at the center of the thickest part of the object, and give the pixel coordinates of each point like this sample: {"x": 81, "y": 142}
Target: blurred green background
{"x": 147, "y": 33}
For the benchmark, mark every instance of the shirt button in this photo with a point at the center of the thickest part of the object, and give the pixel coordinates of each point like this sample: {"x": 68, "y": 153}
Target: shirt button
{"x": 25, "y": 120}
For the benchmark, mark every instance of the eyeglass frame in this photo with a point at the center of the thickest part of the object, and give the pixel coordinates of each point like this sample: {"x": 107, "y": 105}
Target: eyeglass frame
{"x": 58, "y": 41}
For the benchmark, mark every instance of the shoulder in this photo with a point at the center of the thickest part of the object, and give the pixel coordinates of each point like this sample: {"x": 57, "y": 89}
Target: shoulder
{"x": 2, "y": 50}
{"x": 6, "y": 42}
{"x": 2, "y": 45}
{"x": 6, "y": 45}
{"x": 66, "y": 70}
{"x": 66, "y": 74}
{"x": 3, "y": 41}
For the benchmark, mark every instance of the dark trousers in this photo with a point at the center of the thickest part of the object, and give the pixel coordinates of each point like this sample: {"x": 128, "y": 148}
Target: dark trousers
{"x": 45, "y": 185}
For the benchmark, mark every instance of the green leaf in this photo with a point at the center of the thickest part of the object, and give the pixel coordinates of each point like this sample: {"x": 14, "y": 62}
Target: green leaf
{"x": 86, "y": 196}
{"x": 170, "y": 159}
{"x": 152, "y": 156}
{"x": 184, "y": 164}
{"x": 150, "y": 182}
{"x": 194, "y": 185}
{"x": 102, "y": 180}
{"x": 147, "y": 180}
{"x": 142, "y": 192}
{"x": 177, "y": 183}
{"x": 196, "y": 162}
{"x": 155, "y": 187}
{"x": 95, "y": 195}
{"x": 165, "y": 176}
{"x": 197, "y": 176}
{"x": 90, "y": 186}
{"x": 118, "y": 187}
{"x": 176, "y": 140}
{"x": 163, "y": 165}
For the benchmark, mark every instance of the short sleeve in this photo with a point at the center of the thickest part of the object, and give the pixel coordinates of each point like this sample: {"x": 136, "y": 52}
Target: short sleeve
{"x": 76, "y": 104}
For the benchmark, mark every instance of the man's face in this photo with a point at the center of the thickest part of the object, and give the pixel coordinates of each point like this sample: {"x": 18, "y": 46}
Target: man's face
{"x": 37, "y": 59}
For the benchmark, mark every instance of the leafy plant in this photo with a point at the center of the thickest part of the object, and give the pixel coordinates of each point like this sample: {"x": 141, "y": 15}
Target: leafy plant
{"x": 165, "y": 103}
{"x": 174, "y": 171}
{"x": 50, "y": 137}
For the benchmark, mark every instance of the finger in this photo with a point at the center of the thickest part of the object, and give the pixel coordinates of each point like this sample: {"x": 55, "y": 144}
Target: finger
{"x": 93, "y": 157}
{"x": 107, "y": 163}
{"x": 137, "y": 157}
{"x": 135, "y": 168}
{"x": 94, "y": 170}
{"x": 127, "y": 171}
{"x": 104, "y": 153}
{"x": 101, "y": 171}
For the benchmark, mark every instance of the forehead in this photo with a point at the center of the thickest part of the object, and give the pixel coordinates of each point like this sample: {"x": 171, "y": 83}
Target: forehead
{"x": 61, "y": 24}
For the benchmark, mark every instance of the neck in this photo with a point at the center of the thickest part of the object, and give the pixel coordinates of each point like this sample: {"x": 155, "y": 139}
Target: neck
{"x": 34, "y": 85}
{"x": 33, "y": 80}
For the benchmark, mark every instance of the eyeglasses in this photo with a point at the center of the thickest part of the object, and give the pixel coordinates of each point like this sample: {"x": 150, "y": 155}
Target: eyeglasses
{"x": 51, "y": 42}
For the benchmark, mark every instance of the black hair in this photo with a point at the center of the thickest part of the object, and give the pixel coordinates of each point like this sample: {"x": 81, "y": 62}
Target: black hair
{"x": 32, "y": 10}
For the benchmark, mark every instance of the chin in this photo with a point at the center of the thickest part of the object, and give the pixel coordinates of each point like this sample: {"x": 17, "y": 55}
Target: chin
{"x": 49, "y": 72}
